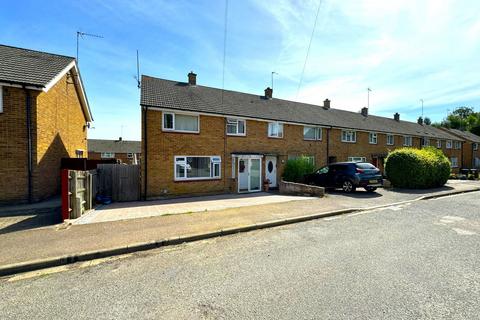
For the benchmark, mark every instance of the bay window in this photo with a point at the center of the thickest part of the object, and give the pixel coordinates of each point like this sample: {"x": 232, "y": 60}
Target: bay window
{"x": 197, "y": 167}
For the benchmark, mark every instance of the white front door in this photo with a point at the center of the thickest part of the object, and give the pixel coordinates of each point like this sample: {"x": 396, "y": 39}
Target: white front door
{"x": 271, "y": 170}
{"x": 249, "y": 174}
{"x": 242, "y": 175}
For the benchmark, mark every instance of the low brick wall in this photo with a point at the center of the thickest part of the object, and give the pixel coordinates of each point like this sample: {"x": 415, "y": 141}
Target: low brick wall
{"x": 301, "y": 189}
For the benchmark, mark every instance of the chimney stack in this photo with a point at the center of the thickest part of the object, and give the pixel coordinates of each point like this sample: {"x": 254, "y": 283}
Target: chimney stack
{"x": 119, "y": 138}
{"x": 420, "y": 120}
{"x": 268, "y": 93}
{"x": 396, "y": 116}
{"x": 365, "y": 111}
{"x": 326, "y": 104}
{"x": 192, "y": 78}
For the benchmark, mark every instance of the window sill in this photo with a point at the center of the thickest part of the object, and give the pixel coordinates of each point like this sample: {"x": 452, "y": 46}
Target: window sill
{"x": 275, "y": 137}
{"x": 372, "y": 143}
{"x": 180, "y": 131}
{"x": 236, "y": 135}
{"x": 349, "y": 141}
{"x": 197, "y": 180}
{"x": 312, "y": 139}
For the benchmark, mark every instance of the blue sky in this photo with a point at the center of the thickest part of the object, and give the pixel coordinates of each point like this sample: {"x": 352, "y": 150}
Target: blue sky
{"x": 404, "y": 50}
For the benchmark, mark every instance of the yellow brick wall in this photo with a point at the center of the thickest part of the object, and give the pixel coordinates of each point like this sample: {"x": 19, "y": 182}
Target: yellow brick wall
{"x": 60, "y": 130}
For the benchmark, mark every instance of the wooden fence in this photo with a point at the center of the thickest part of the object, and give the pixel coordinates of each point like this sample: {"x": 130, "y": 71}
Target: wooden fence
{"x": 119, "y": 181}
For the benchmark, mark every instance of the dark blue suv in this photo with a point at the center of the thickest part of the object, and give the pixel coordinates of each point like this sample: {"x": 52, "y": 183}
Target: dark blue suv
{"x": 347, "y": 175}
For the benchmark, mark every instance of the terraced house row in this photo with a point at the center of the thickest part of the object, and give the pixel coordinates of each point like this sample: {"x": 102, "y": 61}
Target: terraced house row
{"x": 198, "y": 139}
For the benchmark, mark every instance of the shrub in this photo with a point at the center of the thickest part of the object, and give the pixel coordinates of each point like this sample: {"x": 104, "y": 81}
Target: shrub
{"x": 296, "y": 169}
{"x": 417, "y": 169}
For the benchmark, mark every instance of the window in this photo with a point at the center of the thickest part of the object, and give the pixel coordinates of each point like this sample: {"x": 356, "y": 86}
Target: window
{"x": 425, "y": 142}
{"x": 439, "y": 144}
{"x": 448, "y": 144}
{"x": 454, "y": 162}
{"x": 390, "y": 140}
{"x": 1, "y": 99}
{"x": 235, "y": 127}
{"x": 130, "y": 155}
{"x": 275, "y": 130}
{"x": 475, "y": 146}
{"x": 349, "y": 136}
{"x": 312, "y": 133}
{"x": 407, "y": 141}
{"x": 372, "y": 138}
{"x": 457, "y": 145}
{"x": 357, "y": 159}
{"x": 198, "y": 167}
{"x": 180, "y": 122}
{"x": 107, "y": 155}
{"x": 477, "y": 163}
{"x": 79, "y": 153}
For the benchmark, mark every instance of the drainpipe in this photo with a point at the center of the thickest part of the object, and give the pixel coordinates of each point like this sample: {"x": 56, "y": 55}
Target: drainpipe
{"x": 145, "y": 144}
{"x": 29, "y": 143}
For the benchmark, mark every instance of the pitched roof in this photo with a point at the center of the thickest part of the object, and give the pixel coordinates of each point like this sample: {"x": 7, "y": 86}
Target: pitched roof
{"x": 465, "y": 135}
{"x": 39, "y": 70}
{"x": 175, "y": 95}
{"x": 29, "y": 67}
{"x": 116, "y": 146}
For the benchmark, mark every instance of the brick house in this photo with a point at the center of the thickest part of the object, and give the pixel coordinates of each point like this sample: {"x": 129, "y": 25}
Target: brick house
{"x": 470, "y": 149}
{"x": 124, "y": 151}
{"x": 197, "y": 139}
{"x": 44, "y": 115}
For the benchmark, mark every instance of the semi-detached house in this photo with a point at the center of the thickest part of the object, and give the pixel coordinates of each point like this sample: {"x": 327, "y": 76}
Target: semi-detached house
{"x": 198, "y": 139}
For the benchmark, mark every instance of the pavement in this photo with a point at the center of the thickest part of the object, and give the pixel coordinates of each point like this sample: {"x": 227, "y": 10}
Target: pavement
{"x": 416, "y": 260}
{"x": 65, "y": 243}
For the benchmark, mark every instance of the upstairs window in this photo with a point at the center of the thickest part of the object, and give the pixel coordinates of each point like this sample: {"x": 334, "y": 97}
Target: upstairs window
{"x": 1, "y": 99}
{"x": 275, "y": 130}
{"x": 130, "y": 155}
{"x": 180, "y": 122}
{"x": 407, "y": 141}
{"x": 372, "y": 138}
{"x": 197, "y": 167}
{"x": 475, "y": 146}
{"x": 235, "y": 127}
{"x": 457, "y": 145}
{"x": 312, "y": 133}
{"x": 349, "y": 136}
{"x": 439, "y": 144}
{"x": 390, "y": 140}
{"x": 425, "y": 142}
{"x": 448, "y": 145}
{"x": 107, "y": 155}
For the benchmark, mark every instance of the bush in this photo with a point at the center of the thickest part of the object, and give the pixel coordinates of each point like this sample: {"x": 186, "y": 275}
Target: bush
{"x": 296, "y": 169}
{"x": 417, "y": 169}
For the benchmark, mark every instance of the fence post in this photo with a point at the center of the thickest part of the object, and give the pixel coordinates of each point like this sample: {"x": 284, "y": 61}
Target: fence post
{"x": 65, "y": 194}
{"x": 75, "y": 207}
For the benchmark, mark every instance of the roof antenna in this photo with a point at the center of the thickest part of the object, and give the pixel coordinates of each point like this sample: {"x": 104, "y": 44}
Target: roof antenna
{"x": 81, "y": 34}
{"x": 137, "y": 77}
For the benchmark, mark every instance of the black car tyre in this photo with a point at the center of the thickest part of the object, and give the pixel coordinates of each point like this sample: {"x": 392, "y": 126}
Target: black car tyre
{"x": 348, "y": 186}
{"x": 370, "y": 189}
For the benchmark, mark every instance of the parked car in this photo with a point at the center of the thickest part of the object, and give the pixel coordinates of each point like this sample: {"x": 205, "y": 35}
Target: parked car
{"x": 347, "y": 175}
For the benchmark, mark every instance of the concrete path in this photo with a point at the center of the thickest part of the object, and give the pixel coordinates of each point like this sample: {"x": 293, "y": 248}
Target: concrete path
{"x": 32, "y": 247}
{"x": 141, "y": 209}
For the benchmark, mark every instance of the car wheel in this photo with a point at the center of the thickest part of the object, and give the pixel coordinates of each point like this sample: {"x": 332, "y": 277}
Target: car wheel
{"x": 370, "y": 189}
{"x": 348, "y": 186}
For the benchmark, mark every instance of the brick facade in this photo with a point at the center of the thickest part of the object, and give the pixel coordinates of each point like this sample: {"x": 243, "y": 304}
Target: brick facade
{"x": 122, "y": 157}
{"x": 58, "y": 130}
{"x": 212, "y": 140}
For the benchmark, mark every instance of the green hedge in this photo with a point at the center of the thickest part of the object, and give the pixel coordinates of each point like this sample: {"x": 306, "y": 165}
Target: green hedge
{"x": 296, "y": 169}
{"x": 417, "y": 168}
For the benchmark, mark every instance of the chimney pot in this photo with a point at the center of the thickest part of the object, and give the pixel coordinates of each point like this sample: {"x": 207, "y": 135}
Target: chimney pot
{"x": 365, "y": 111}
{"x": 268, "y": 93}
{"x": 119, "y": 138}
{"x": 396, "y": 116}
{"x": 326, "y": 104}
{"x": 192, "y": 78}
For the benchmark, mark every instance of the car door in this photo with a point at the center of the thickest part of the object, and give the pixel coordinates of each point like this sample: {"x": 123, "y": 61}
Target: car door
{"x": 321, "y": 176}
{"x": 337, "y": 174}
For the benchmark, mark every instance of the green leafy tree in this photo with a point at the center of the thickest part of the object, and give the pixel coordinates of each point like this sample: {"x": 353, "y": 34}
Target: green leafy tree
{"x": 427, "y": 121}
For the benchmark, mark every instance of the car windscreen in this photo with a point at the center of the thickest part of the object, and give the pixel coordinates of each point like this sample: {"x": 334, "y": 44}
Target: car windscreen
{"x": 365, "y": 166}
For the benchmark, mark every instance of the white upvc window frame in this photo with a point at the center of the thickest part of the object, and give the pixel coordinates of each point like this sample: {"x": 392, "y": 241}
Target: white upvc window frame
{"x": 390, "y": 136}
{"x": 107, "y": 155}
{"x": 407, "y": 141}
{"x": 448, "y": 144}
{"x": 130, "y": 155}
{"x": 173, "y": 114}
{"x": 372, "y": 138}
{"x": 232, "y": 121}
{"x": 457, "y": 145}
{"x": 454, "y": 164}
{"x": 279, "y": 134}
{"x": 318, "y": 133}
{"x": 425, "y": 142}
{"x": 349, "y": 136}
{"x": 215, "y": 161}
{"x": 439, "y": 144}
{"x": 475, "y": 146}
{"x": 1, "y": 99}
{"x": 357, "y": 159}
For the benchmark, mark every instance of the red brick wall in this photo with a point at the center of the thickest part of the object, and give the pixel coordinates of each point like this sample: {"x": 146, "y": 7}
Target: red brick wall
{"x": 123, "y": 157}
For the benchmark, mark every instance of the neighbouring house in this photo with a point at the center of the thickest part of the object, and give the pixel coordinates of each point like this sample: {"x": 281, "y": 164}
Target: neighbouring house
{"x": 124, "y": 151}
{"x": 44, "y": 116}
{"x": 470, "y": 149}
{"x": 198, "y": 139}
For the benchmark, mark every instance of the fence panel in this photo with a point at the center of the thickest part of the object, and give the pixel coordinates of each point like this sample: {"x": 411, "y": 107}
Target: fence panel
{"x": 119, "y": 181}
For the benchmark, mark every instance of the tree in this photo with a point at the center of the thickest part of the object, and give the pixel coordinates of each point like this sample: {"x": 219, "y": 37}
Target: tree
{"x": 427, "y": 121}
{"x": 463, "y": 118}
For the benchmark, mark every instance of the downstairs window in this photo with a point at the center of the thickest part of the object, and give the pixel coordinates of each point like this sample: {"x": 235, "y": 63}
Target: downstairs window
{"x": 197, "y": 167}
